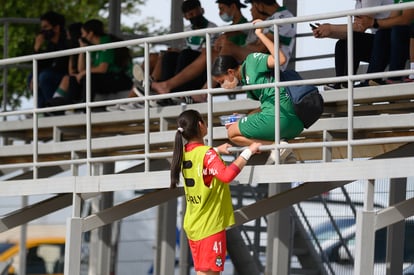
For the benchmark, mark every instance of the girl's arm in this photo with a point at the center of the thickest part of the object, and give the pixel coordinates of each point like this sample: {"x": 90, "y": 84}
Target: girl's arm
{"x": 270, "y": 46}
{"x": 217, "y": 168}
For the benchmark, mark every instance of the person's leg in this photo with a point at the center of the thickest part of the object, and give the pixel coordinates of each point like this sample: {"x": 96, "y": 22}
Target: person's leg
{"x": 380, "y": 52}
{"x": 49, "y": 81}
{"x": 108, "y": 83}
{"x": 196, "y": 68}
{"x": 411, "y": 76}
{"x": 363, "y": 44}
{"x": 195, "y": 60}
{"x": 400, "y": 48}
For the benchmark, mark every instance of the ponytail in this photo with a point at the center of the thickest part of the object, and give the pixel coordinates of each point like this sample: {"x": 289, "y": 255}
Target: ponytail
{"x": 177, "y": 159}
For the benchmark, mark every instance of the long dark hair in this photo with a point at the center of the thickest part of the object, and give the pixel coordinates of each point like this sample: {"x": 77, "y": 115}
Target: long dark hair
{"x": 188, "y": 128}
{"x": 222, "y": 64}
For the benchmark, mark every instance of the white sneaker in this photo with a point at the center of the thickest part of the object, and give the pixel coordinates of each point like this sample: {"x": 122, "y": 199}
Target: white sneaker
{"x": 131, "y": 106}
{"x": 139, "y": 91}
{"x": 284, "y": 153}
{"x": 113, "y": 108}
{"x": 138, "y": 73}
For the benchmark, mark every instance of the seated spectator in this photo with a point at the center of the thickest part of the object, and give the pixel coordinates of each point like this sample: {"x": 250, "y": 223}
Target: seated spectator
{"x": 172, "y": 62}
{"x": 110, "y": 69}
{"x": 264, "y": 10}
{"x": 73, "y": 35}
{"x": 362, "y": 43}
{"x": 259, "y": 125}
{"x": 391, "y": 45}
{"x": 51, "y": 38}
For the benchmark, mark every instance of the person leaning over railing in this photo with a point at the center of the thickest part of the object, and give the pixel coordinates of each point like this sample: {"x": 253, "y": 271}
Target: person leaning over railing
{"x": 391, "y": 45}
{"x": 259, "y": 125}
{"x": 264, "y": 10}
{"x": 209, "y": 210}
{"x": 362, "y": 41}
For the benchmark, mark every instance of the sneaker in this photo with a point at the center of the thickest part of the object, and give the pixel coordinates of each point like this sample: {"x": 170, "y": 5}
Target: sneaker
{"x": 57, "y": 101}
{"x": 290, "y": 159}
{"x": 139, "y": 91}
{"x": 138, "y": 73}
{"x": 375, "y": 82}
{"x": 335, "y": 86}
{"x": 331, "y": 86}
{"x": 284, "y": 153}
{"x": 113, "y": 108}
{"x": 131, "y": 106}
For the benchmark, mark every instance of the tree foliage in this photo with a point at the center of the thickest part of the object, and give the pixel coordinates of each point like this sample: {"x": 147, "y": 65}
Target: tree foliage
{"x": 21, "y": 36}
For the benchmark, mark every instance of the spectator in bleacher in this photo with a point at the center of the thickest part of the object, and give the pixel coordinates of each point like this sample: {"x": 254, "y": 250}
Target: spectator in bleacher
{"x": 209, "y": 209}
{"x": 264, "y": 10}
{"x": 173, "y": 61}
{"x": 259, "y": 125}
{"x": 392, "y": 43}
{"x": 73, "y": 35}
{"x": 362, "y": 42}
{"x": 111, "y": 69}
{"x": 51, "y": 38}
{"x": 187, "y": 75}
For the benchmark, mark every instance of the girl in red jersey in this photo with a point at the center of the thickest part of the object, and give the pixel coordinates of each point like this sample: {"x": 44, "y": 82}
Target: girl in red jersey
{"x": 209, "y": 209}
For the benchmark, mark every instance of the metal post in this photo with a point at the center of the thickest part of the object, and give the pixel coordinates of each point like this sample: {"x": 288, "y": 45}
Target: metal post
{"x": 278, "y": 232}
{"x": 166, "y": 236}
{"x": 396, "y": 232}
{"x": 114, "y": 24}
{"x": 73, "y": 246}
{"x": 365, "y": 234}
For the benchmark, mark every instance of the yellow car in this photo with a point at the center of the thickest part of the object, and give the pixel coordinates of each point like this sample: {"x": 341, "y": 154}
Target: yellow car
{"x": 44, "y": 256}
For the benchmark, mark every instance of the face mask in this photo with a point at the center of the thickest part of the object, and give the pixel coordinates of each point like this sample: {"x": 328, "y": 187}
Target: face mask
{"x": 226, "y": 18}
{"x": 86, "y": 41}
{"x": 197, "y": 22}
{"x": 230, "y": 84}
{"x": 48, "y": 34}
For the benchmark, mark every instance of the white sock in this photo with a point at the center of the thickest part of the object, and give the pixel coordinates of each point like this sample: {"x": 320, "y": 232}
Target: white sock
{"x": 59, "y": 93}
{"x": 411, "y": 76}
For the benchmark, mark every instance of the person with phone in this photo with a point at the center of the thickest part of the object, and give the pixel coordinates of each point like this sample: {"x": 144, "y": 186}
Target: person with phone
{"x": 362, "y": 41}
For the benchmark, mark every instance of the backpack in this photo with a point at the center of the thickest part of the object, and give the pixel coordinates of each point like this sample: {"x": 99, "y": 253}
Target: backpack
{"x": 307, "y": 100}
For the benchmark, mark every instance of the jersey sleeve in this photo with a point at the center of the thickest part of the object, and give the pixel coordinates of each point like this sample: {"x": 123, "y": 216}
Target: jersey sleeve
{"x": 215, "y": 167}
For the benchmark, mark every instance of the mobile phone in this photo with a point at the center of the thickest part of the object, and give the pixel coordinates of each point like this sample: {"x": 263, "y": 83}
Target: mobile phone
{"x": 313, "y": 26}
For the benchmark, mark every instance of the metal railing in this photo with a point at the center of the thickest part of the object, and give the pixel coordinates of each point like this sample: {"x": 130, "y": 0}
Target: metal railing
{"x": 350, "y": 142}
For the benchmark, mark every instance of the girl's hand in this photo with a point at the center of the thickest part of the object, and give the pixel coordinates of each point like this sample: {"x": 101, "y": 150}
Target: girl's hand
{"x": 254, "y": 147}
{"x": 258, "y": 31}
{"x": 223, "y": 149}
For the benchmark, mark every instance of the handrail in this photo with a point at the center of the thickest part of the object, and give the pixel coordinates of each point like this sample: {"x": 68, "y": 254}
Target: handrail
{"x": 350, "y": 142}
